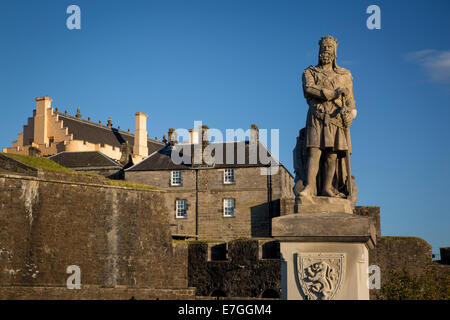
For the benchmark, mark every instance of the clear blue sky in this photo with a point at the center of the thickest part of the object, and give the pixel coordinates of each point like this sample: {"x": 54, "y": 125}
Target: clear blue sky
{"x": 233, "y": 63}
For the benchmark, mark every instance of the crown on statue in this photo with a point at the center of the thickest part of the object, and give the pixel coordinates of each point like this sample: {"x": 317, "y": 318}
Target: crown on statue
{"x": 328, "y": 39}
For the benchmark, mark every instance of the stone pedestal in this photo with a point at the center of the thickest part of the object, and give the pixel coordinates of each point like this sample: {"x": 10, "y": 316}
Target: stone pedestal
{"x": 314, "y": 204}
{"x": 324, "y": 255}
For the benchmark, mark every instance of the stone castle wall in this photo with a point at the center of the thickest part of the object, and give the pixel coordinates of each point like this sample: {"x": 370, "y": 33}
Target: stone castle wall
{"x": 119, "y": 237}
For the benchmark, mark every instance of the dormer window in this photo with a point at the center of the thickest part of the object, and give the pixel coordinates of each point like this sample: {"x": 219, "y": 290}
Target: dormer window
{"x": 228, "y": 176}
{"x": 176, "y": 178}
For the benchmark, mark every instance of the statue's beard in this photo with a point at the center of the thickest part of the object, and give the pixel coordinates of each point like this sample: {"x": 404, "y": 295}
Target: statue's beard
{"x": 325, "y": 58}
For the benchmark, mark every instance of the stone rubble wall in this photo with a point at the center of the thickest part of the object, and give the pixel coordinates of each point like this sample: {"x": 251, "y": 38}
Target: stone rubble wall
{"x": 117, "y": 236}
{"x": 245, "y": 268}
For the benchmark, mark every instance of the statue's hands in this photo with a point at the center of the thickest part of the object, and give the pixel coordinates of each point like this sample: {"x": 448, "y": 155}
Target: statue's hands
{"x": 342, "y": 91}
{"x": 330, "y": 94}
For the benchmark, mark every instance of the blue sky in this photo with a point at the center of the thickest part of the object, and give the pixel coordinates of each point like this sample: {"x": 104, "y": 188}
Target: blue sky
{"x": 233, "y": 63}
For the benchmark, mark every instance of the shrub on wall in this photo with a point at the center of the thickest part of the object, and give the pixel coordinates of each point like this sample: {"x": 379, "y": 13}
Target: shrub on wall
{"x": 433, "y": 284}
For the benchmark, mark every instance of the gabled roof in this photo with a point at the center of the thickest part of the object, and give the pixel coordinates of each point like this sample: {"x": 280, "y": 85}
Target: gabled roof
{"x": 84, "y": 159}
{"x": 97, "y": 133}
{"x": 161, "y": 159}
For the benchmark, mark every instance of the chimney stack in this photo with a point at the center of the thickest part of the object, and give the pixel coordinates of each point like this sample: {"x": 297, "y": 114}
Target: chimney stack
{"x": 200, "y": 146}
{"x": 173, "y": 138}
{"x": 193, "y": 136}
{"x": 254, "y": 133}
{"x": 204, "y": 132}
{"x": 140, "y": 147}
{"x": 40, "y": 119}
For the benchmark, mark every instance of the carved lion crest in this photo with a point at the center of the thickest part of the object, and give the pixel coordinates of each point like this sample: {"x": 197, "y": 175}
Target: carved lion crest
{"x": 320, "y": 274}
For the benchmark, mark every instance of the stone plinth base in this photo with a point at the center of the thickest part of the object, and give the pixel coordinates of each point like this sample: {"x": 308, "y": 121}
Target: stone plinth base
{"x": 324, "y": 271}
{"x": 324, "y": 256}
{"x": 313, "y": 204}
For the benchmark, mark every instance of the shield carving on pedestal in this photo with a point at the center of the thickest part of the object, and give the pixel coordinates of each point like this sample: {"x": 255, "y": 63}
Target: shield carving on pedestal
{"x": 320, "y": 275}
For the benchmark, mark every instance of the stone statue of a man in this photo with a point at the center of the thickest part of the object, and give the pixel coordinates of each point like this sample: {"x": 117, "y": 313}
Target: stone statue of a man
{"x": 325, "y": 144}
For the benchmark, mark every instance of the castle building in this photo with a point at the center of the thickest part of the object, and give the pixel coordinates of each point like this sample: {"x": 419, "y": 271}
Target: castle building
{"x": 235, "y": 196}
{"x": 222, "y": 200}
{"x": 50, "y": 132}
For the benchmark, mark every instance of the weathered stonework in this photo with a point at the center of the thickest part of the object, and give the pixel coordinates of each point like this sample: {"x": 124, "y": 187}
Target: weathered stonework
{"x": 249, "y": 268}
{"x": 119, "y": 237}
{"x": 372, "y": 212}
{"x": 90, "y": 292}
{"x": 403, "y": 254}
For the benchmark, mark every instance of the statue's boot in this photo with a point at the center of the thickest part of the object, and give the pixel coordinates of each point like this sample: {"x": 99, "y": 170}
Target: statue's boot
{"x": 328, "y": 192}
{"x": 308, "y": 191}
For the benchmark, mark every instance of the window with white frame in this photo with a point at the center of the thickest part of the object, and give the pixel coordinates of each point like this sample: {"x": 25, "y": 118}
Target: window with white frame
{"x": 175, "y": 178}
{"x": 180, "y": 208}
{"x": 228, "y": 176}
{"x": 228, "y": 207}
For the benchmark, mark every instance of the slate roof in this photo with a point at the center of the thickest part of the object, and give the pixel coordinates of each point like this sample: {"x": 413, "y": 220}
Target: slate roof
{"x": 97, "y": 133}
{"x": 161, "y": 159}
{"x": 84, "y": 159}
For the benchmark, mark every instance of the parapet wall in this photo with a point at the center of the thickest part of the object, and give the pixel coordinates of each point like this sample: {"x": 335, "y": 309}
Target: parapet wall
{"x": 117, "y": 236}
{"x": 239, "y": 268}
{"x": 400, "y": 253}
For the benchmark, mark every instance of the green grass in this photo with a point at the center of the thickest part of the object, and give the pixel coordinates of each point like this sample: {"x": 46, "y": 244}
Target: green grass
{"x": 39, "y": 162}
{"x": 5, "y": 171}
{"x": 127, "y": 184}
{"x": 47, "y": 164}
